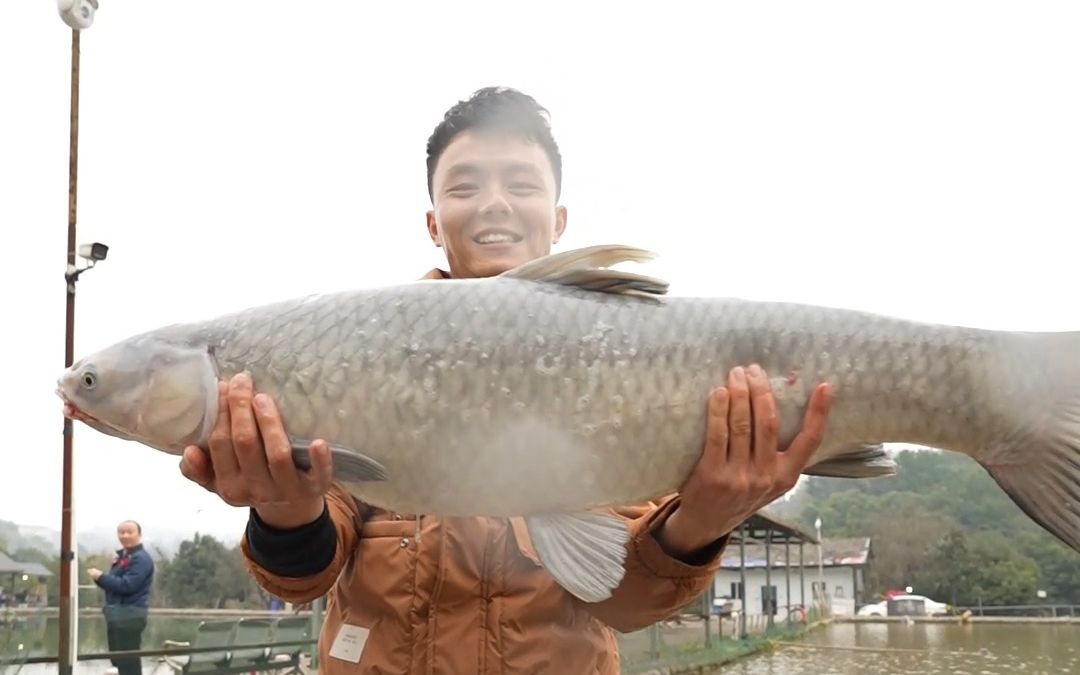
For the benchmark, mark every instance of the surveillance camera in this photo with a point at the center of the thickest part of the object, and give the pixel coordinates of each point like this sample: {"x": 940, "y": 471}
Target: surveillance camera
{"x": 93, "y": 252}
{"x": 78, "y": 14}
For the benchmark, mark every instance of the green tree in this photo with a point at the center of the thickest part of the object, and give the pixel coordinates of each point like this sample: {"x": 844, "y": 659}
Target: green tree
{"x": 204, "y": 573}
{"x": 1059, "y": 566}
{"x": 943, "y": 525}
{"x": 966, "y": 569}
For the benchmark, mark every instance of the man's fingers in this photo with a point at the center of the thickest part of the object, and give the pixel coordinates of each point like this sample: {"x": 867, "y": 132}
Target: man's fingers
{"x": 763, "y": 412}
{"x": 245, "y": 435}
{"x": 740, "y": 424}
{"x": 716, "y": 429}
{"x": 221, "y": 449}
{"x": 806, "y": 443}
{"x": 277, "y": 446}
{"x": 196, "y": 467}
{"x": 322, "y": 468}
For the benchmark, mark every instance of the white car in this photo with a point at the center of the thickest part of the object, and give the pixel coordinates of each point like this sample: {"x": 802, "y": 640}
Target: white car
{"x": 909, "y": 605}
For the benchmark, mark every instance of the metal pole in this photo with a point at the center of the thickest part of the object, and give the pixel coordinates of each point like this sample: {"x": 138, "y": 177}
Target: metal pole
{"x": 787, "y": 574}
{"x": 821, "y": 576}
{"x": 707, "y": 599}
{"x": 802, "y": 577}
{"x": 742, "y": 582}
{"x": 317, "y": 608}
{"x": 855, "y": 585}
{"x": 768, "y": 579}
{"x": 68, "y": 647}
{"x": 821, "y": 566}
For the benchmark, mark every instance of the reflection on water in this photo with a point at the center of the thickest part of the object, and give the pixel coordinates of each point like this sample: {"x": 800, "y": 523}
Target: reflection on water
{"x": 927, "y": 649}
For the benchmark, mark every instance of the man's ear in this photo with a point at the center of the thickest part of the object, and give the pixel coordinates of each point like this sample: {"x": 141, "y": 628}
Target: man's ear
{"x": 560, "y": 223}
{"x": 433, "y": 229}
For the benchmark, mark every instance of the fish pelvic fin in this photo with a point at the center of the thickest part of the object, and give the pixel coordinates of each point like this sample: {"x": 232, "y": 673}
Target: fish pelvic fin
{"x": 348, "y": 465}
{"x": 584, "y": 552}
{"x": 862, "y": 461}
{"x": 1041, "y": 469}
{"x": 588, "y": 268}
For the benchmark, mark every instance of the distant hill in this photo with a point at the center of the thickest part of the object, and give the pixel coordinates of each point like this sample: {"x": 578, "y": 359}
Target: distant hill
{"x": 14, "y": 536}
{"x": 943, "y": 526}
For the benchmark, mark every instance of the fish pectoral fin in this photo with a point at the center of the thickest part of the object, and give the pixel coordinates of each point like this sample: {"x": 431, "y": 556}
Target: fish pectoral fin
{"x": 587, "y": 268}
{"x": 349, "y": 465}
{"x": 584, "y": 552}
{"x": 861, "y": 461}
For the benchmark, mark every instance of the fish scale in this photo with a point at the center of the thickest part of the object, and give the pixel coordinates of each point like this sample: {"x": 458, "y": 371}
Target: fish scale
{"x": 671, "y": 388}
{"x": 563, "y": 385}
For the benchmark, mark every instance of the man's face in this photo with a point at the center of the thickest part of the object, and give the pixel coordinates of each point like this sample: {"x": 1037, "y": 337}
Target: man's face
{"x": 128, "y": 534}
{"x": 494, "y": 204}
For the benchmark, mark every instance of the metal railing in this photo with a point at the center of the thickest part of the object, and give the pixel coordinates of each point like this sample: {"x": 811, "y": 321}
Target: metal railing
{"x": 171, "y": 651}
{"x": 699, "y": 636}
{"x": 1048, "y": 610}
{"x": 14, "y": 655}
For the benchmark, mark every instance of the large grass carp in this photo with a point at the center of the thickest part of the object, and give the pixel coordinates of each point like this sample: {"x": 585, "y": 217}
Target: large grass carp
{"x": 564, "y": 385}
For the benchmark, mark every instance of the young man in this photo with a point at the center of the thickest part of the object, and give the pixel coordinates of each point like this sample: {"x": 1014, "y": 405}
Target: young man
{"x": 127, "y": 595}
{"x": 469, "y": 595}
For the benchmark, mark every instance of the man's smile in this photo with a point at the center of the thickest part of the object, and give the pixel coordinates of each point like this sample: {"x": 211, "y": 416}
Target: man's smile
{"x": 493, "y": 235}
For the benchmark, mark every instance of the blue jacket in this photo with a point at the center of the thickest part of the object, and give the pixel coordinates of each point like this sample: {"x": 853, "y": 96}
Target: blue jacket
{"x": 127, "y": 583}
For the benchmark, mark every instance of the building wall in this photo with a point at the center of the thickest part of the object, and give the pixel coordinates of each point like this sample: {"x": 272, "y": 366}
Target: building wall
{"x": 839, "y": 584}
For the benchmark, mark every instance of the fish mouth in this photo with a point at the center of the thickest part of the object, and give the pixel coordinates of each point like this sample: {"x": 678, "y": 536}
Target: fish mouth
{"x": 72, "y": 411}
{"x": 496, "y": 236}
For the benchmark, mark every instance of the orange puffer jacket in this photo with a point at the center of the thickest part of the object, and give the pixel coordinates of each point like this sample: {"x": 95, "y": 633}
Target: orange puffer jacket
{"x": 469, "y": 595}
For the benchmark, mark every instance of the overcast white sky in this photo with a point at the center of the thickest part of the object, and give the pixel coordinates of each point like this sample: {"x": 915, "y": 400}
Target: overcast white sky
{"x": 920, "y": 159}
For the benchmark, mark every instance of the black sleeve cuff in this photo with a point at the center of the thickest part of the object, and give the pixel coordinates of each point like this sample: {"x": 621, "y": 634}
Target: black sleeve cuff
{"x": 297, "y": 552}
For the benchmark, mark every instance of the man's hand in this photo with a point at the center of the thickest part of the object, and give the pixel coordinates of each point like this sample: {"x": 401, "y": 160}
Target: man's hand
{"x": 94, "y": 573}
{"x": 741, "y": 469}
{"x": 244, "y": 472}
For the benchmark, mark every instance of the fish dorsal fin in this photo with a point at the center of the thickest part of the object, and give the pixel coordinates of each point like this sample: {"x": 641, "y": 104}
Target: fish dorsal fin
{"x": 587, "y": 268}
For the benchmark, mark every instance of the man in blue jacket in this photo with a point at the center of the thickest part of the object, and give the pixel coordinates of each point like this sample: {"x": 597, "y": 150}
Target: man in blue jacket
{"x": 127, "y": 595}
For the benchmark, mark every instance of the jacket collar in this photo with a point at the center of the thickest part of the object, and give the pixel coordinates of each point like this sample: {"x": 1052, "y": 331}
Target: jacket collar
{"x": 123, "y": 551}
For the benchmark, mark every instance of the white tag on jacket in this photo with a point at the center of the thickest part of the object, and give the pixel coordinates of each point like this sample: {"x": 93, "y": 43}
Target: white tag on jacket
{"x": 349, "y": 643}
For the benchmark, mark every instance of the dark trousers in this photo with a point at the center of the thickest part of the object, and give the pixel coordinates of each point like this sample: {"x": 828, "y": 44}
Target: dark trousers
{"x": 125, "y": 633}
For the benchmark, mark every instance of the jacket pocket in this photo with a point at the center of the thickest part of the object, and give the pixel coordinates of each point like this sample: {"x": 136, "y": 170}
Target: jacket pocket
{"x": 388, "y": 525}
{"x": 383, "y": 574}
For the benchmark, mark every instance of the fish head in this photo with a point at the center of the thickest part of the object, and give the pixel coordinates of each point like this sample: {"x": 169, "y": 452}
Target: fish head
{"x": 144, "y": 389}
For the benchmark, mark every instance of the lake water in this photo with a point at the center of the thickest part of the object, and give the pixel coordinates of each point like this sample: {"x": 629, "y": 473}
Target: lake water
{"x": 924, "y": 648}
{"x": 881, "y": 648}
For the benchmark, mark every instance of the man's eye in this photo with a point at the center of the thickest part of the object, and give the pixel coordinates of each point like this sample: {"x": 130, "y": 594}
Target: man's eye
{"x": 464, "y": 187}
{"x": 523, "y": 187}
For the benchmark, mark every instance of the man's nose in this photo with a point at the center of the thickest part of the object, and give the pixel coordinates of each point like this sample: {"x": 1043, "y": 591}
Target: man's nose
{"x": 495, "y": 204}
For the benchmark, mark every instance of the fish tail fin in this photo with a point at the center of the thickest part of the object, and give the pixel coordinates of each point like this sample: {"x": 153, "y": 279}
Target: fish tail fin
{"x": 1039, "y": 465}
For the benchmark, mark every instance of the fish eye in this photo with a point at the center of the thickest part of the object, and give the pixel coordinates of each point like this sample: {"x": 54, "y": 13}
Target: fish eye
{"x": 88, "y": 379}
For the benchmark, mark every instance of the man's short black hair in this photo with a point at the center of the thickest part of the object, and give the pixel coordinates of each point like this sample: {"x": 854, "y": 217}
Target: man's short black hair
{"x": 495, "y": 109}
